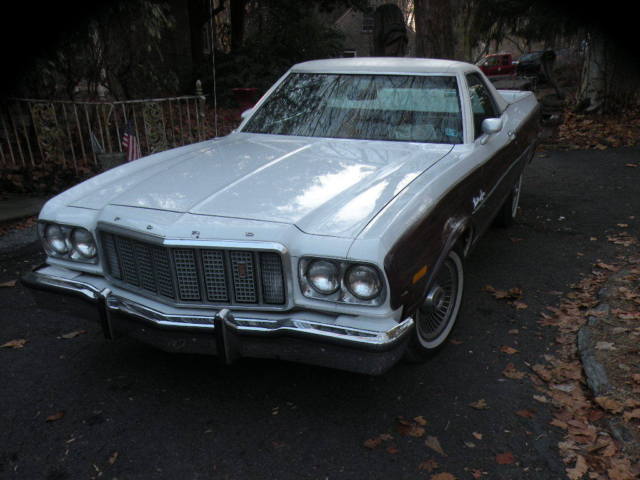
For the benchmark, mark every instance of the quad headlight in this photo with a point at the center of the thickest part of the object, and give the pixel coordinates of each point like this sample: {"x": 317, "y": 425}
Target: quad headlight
{"x": 323, "y": 276}
{"x": 83, "y": 243}
{"x": 340, "y": 281}
{"x": 70, "y": 243}
{"x": 363, "y": 282}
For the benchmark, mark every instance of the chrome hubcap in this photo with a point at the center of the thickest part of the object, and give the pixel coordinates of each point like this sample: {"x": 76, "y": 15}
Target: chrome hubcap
{"x": 439, "y": 304}
{"x": 434, "y": 299}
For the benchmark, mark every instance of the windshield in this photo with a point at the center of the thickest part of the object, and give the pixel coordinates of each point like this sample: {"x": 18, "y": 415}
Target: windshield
{"x": 368, "y": 107}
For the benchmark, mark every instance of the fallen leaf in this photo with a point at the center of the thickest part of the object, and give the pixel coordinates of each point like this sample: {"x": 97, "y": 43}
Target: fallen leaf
{"x": 580, "y": 468}
{"x": 428, "y": 465}
{"x": 434, "y": 444}
{"x": 73, "y": 334}
{"x": 606, "y": 266}
{"x": 392, "y": 450}
{"x": 606, "y": 346}
{"x": 443, "y": 476}
{"x": 621, "y": 470}
{"x": 506, "y": 458}
{"x": 54, "y": 417}
{"x": 609, "y": 404}
{"x": 480, "y": 404}
{"x": 406, "y": 427}
{"x": 541, "y": 398}
{"x": 9, "y": 284}
{"x": 372, "y": 443}
{"x": 542, "y": 372}
{"x": 559, "y": 423}
{"x": 520, "y": 305}
{"x": 476, "y": 435}
{"x": 113, "y": 458}
{"x": 632, "y": 415}
{"x": 508, "y": 350}
{"x": 420, "y": 420}
{"x": 17, "y": 343}
{"x": 511, "y": 372}
{"x": 525, "y": 413}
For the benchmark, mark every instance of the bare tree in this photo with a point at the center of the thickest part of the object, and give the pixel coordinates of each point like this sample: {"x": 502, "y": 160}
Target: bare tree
{"x": 434, "y": 31}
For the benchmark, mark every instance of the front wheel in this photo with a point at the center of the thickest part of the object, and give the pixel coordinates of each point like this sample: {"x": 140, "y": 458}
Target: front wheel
{"x": 435, "y": 318}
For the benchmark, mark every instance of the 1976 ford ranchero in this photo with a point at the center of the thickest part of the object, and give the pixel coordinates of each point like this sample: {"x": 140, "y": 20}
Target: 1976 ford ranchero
{"x": 330, "y": 228}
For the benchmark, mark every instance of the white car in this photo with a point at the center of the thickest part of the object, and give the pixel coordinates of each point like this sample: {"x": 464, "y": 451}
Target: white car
{"x": 330, "y": 228}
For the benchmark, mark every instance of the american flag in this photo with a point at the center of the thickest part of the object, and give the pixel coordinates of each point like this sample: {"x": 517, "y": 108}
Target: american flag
{"x": 130, "y": 143}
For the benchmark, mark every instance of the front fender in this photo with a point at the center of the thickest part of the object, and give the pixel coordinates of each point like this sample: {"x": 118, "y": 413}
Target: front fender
{"x": 413, "y": 268}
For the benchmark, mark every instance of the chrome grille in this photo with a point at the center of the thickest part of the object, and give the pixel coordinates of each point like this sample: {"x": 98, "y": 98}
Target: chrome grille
{"x": 215, "y": 276}
{"x": 187, "y": 274}
{"x": 195, "y": 275}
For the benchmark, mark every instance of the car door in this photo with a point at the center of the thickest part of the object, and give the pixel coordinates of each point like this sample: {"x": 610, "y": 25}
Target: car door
{"x": 496, "y": 152}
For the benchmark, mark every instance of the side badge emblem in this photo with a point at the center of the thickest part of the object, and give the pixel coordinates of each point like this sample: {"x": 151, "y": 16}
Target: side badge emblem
{"x": 477, "y": 200}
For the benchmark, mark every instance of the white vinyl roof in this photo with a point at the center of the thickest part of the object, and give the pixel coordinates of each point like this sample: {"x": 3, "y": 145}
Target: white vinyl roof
{"x": 396, "y": 65}
{"x": 401, "y": 65}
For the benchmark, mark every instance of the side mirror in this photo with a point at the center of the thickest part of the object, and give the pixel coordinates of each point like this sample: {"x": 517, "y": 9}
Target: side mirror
{"x": 490, "y": 126}
{"x": 244, "y": 115}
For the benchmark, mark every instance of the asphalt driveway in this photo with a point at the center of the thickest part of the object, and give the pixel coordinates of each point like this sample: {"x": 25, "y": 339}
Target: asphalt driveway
{"x": 81, "y": 407}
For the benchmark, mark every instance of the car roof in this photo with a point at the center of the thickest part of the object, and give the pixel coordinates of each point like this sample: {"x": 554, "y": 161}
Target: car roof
{"x": 398, "y": 65}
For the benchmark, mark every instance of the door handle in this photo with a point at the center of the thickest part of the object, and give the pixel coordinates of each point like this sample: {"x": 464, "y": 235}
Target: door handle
{"x": 511, "y": 134}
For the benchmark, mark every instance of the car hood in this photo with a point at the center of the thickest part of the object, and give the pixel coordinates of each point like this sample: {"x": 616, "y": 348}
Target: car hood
{"x": 323, "y": 186}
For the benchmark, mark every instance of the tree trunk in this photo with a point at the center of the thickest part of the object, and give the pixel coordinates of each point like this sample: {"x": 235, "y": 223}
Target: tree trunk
{"x": 237, "y": 15}
{"x": 593, "y": 85}
{"x": 198, "y": 14}
{"x": 434, "y": 31}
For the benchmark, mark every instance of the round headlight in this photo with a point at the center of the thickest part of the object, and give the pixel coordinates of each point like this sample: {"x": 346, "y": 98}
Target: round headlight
{"x": 323, "y": 276}
{"x": 56, "y": 239}
{"x": 363, "y": 282}
{"x": 83, "y": 242}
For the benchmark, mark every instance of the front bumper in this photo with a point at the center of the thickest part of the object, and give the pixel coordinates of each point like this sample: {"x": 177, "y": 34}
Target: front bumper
{"x": 306, "y": 337}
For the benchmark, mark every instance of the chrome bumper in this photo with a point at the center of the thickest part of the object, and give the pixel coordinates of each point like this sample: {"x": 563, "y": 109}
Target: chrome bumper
{"x": 304, "y": 337}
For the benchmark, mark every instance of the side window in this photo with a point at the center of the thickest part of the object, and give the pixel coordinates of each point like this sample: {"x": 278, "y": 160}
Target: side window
{"x": 482, "y": 104}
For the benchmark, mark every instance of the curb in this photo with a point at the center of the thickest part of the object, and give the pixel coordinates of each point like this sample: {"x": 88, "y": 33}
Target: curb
{"x": 595, "y": 373}
{"x": 597, "y": 378}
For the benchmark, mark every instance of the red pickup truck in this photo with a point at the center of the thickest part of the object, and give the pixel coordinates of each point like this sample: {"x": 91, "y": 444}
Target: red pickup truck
{"x": 497, "y": 64}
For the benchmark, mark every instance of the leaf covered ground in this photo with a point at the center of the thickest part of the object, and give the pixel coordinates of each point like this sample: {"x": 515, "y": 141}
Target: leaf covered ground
{"x": 601, "y": 432}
